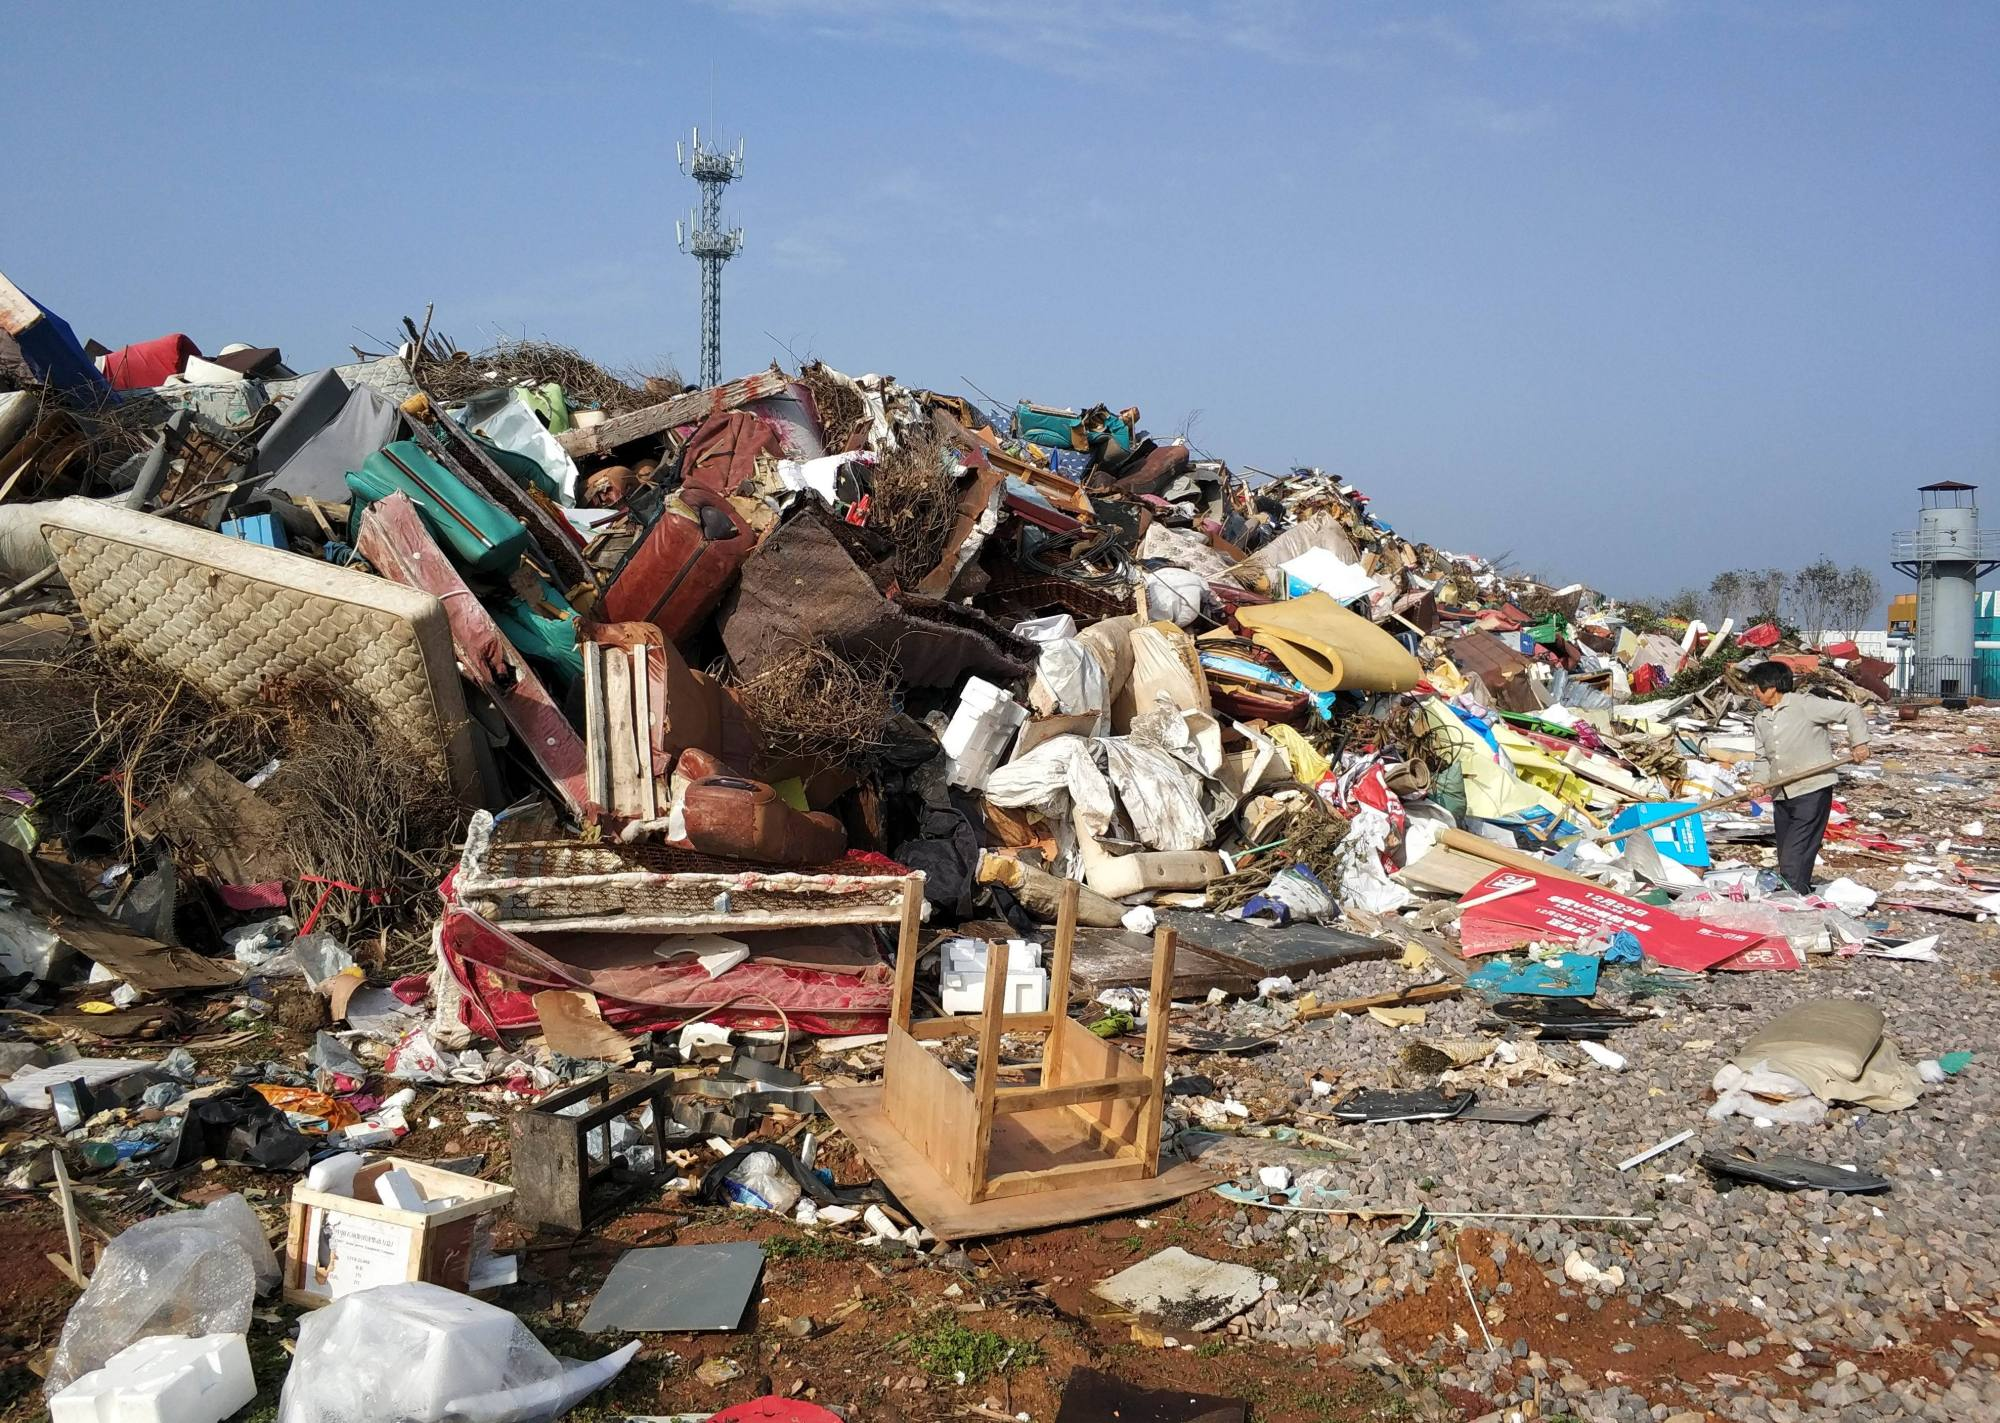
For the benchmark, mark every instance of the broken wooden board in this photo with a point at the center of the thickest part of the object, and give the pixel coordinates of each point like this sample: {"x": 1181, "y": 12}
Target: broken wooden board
{"x": 231, "y": 827}
{"x": 1443, "y": 870}
{"x": 687, "y": 408}
{"x": 930, "y": 1199}
{"x": 1265, "y": 951}
{"x": 1118, "y": 958}
{"x": 1401, "y": 998}
{"x": 49, "y": 891}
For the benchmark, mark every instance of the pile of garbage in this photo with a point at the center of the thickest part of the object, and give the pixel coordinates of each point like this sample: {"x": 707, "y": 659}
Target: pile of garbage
{"x": 494, "y": 722}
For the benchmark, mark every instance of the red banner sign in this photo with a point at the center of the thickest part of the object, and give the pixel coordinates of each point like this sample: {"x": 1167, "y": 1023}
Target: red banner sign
{"x": 1521, "y": 908}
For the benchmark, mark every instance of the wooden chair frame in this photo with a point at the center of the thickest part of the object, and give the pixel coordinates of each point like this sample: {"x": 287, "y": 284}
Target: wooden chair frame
{"x": 1094, "y": 1119}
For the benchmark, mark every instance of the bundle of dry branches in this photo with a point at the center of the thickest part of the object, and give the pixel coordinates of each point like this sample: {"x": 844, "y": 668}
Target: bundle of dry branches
{"x": 822, "y": 705}
{"x": 97, "y": 739}
{"x": 513, "y": 362}
{"x": 838, "y": 403}
{"x": 915, "y": 502}
{"x": 1312, "y": 836}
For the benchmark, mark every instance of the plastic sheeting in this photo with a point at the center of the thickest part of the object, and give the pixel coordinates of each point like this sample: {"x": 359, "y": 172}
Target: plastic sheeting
{"x": 425, "y": 1354}
{"x": 1364, "y": 881}
{"x": 194, "y": 1272}
{"x": 507, "y": 419}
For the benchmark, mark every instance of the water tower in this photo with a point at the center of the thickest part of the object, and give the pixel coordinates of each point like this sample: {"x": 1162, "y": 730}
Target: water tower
{"x": 1947, "y": 555}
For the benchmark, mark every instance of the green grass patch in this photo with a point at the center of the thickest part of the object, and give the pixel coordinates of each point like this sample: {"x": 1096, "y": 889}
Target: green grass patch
{"x": 946, "y": 1349}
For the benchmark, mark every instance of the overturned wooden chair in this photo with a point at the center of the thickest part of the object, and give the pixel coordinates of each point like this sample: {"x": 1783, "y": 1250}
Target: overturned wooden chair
{"x": 984, "y": 1160}
{"x": 1093, "y": 1119}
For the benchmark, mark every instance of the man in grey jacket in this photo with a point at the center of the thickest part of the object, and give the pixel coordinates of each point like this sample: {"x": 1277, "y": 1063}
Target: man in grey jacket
{"x": 1792, "y": 736}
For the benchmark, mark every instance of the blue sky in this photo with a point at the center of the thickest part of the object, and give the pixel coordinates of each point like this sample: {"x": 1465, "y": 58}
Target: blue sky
{"x": 1632, "y": 289}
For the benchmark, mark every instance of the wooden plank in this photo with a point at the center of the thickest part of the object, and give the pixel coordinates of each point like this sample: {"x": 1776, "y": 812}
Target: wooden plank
{"x": 926, "y": 1195}
{"x": 1402, "y": 998}
{"x": 642, "y": 734}
{"x": 684, "y": 409}
{"x": 930, "y": 1030}
{"x": 928, "y": 1107}
{"x": 908, "y": 928}
{"x": 1442, "y": 870}
{"x": 1500, "y": 855}
{"x": 1041, "y": 1180}
{"x": 1160, "y": 1009}
{"x": 596, "y": 730}
{"x": 624, "y": 752}
{"x": 1086, "y": 1058}
{"x": 1059, "y": 977}
{"x": 986, "y": 1077}
{"x": 1067, "y": 1094}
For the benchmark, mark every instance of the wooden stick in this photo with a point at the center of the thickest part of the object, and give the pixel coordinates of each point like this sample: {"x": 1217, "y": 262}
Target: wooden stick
{"x": 1600, "y": 836}
{"x": 1059, "y": 980}
{"x": 67, "y": 1199}
{"x": 907, "y": 952}
{"x": 28, "y": 584}
{"x": 1159, "y": 1009}
{"x": 986, "y": 1077}
{"x": 1482, "y": 848}
{"x": 1402, "y": 998}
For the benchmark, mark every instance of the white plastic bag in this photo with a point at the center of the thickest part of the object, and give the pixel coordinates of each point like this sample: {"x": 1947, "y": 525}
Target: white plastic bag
{"x": 192, "y": 1272}
{"x": 426, "y": 1354}
{"x": 1363, "y": 881}
{"x": 761, "y": 1182}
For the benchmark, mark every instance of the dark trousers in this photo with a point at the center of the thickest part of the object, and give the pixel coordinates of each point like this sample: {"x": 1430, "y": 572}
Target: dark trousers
{"x": 1800, "y": 821}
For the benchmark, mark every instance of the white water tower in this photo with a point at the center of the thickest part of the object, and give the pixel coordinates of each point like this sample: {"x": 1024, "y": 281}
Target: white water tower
{"x": 1947, "y": 555}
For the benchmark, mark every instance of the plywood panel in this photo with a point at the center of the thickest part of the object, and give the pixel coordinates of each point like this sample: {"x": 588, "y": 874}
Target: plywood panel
{"x": 1086, "y": 1056}
{"x": 932, "y": 1109}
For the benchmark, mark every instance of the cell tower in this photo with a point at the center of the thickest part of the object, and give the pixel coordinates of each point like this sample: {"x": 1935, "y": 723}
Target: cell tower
{"x": 702, "y": 238}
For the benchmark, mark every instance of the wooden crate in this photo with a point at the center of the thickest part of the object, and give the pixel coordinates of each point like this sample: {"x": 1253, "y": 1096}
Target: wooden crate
{"x": 337, "y": 1244}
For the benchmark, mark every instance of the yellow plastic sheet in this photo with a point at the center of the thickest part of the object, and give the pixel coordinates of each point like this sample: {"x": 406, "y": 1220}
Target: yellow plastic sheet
{"x": 1308, "y": 766}
{"x": 1491, "y": 791}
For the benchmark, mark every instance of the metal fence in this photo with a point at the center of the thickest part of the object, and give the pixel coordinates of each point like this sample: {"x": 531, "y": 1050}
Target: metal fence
{"x": 1944, "y": 677}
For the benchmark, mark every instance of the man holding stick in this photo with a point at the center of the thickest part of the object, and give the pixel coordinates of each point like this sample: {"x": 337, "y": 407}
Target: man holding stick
{"x": 1792, "y": 735}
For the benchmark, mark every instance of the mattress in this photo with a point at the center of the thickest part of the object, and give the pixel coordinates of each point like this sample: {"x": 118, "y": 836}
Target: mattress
{"x": 236, "y": 619}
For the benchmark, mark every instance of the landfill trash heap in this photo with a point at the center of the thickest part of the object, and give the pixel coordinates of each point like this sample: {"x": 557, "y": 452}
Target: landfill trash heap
{"x": 634, "y": 646}
{"x": 586, "y": 746}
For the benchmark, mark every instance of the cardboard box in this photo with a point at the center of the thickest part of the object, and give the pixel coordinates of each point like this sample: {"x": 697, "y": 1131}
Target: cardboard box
{"x": 337, "y": 1244}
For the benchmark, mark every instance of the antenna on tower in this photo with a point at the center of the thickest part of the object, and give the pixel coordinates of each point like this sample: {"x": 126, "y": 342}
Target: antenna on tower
{"x": 704, "y": 239}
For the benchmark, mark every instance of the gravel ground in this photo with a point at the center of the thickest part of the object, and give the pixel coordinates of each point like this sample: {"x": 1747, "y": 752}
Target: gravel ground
{"x": 1832, "y": 1303}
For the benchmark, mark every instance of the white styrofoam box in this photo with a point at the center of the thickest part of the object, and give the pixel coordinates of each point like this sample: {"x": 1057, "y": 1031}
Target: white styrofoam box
{"x": 1027, "y": 991}
{"x": 980, "y": 732}
{"x": 169, "y": 1378}
{"x": 967, "y": 955}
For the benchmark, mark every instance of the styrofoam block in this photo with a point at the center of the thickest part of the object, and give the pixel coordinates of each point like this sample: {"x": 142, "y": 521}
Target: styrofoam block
{"x": 165, "y": 1379}
{"x": 968, "y": 955}
{"x": 400, "y": 1189}
{"x": 1027, "y": 992}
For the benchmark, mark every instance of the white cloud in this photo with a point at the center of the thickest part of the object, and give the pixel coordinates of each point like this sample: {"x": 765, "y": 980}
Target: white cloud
{"x": 1440, "y": 30}
{"x": 1102, "y": 42}
{"x": 1478, "y": 114}
{"x": 807, "y": 253}
{"x": 1618, "y": 14}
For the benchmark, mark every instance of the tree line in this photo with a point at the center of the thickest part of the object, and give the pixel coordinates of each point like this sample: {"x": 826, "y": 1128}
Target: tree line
{"x": 1819, "y": 598}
